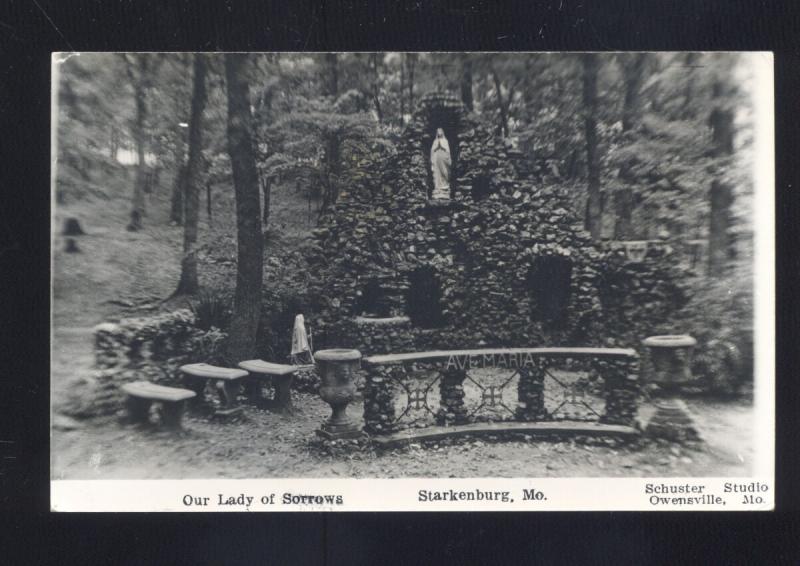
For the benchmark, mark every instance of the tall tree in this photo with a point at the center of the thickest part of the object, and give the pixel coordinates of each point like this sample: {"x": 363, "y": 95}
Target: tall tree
{"x": 721, "y": 193}
{"x": 178, "y": 190}
{"x": 402, "y": 90}
{"x": 633, "y": 66}
{"x": 594, "y": 204}
{"x": 375, "y": 63}
{"x": 331, "y": 75}
{"x": 503, "y": 100}
{"x": 138, "y": 68}
{"x": 466, "y": 81}
{"x": 333, "y": 143}
{"x": 688, "y": 111}
{"x": 249, "y": 271}
{"x": 191, "y": 183}
{"x": 411, "y": 65}
{"x": 266, "y": 189}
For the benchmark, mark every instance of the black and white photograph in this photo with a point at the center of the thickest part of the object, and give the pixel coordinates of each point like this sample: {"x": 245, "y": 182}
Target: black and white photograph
{"x": 399, "y": 265}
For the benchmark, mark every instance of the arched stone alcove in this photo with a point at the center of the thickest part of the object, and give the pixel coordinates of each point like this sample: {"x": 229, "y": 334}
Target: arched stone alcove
{"x": 549, "y": 283}
{"x": 424, "y": 298}
{"x": 371, "y": 300}
{"x": 441, "y": 113}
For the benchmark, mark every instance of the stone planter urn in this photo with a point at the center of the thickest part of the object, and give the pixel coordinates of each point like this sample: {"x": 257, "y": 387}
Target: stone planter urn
{"x": 337, "y": 369}
{"x": 671, "y": 357}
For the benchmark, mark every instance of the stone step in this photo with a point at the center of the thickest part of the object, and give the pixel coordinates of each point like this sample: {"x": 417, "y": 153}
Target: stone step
{"x": 565, "y": 428}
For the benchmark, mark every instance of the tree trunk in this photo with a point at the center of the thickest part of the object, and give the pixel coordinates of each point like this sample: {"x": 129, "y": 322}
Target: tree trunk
{"x": 375, "y": 67}
{"x": 594, "y": 206}
{"x": 208, "y": 201}
{"x": 249, "y": 272}
{"x": 191, "y": 199}
{"x": 178, "y": 190}
{"x": 266, "y": 188}
{"x": 687, "y": 112}
{"x": 332, "y": 64}
{"x": 466, "y": 81}
{"x": 114, "y": 145}
{"x": 332, "y": 143}
{"x": 721, "y": 122}
{"x": 139, "y": 93}
{"x": 503, "y": 125}
{"x": 719, "y": 241}
{"x": 634, "y": 74}
{"x": 721, "y": 194}
{"x": 623, "y": 209}
{"x": 402, "y": 92}
{"x": 411, "y": 60}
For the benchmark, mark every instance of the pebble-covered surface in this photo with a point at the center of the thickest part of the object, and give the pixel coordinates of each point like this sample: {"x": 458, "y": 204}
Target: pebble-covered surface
{"x": 263, "y": 445}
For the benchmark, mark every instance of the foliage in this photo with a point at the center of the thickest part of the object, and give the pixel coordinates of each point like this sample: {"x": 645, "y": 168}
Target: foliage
{"x": 720, "y": 316}
{"x": 322, "y": 144}
{"x": 294, "y": 146}
{"x": 211, "y": 309}
{"x": 285, "y": 295}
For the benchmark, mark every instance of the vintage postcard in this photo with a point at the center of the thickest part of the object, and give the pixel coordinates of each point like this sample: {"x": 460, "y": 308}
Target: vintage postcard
{"x": 412, "y": 281}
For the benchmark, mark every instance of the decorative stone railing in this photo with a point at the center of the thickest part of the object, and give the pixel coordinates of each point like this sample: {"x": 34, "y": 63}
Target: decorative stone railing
{"x": 408, "y": 395}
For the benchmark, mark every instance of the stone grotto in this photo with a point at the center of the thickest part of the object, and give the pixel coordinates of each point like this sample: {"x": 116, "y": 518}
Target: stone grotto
{"x": 497, "y": 258}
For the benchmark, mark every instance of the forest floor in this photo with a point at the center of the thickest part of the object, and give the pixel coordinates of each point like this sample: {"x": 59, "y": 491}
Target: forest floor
{"x": 120, "y": 273}
{"x": 261, "y": 444}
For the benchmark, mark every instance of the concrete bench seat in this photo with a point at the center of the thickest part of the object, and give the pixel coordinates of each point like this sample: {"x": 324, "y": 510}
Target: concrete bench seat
{"x": 212, "y": 372}
{"x": 227, "y": 380}
{"x": 281, "y": 376}
{"x": 141, "y": 394}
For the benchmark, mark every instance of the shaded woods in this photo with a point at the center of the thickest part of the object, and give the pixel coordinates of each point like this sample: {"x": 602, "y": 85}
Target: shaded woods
{"x": 650, "y": 146}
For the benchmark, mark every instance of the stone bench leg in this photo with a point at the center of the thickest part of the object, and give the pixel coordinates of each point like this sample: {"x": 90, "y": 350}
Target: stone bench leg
{"x": 227, "y": 390}
{"x": 253, "y": 390}
{"x": 138, "y": 409}
{"x": 172, "y": 415}
{"x": 283, "y": 393}
{"x": 198, "y": 385}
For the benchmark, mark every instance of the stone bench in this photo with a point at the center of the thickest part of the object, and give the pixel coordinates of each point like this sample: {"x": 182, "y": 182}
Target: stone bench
{"x": 227, "y": 381}
{"x": 141, "y": 394}
{"x": 281, "y": 376}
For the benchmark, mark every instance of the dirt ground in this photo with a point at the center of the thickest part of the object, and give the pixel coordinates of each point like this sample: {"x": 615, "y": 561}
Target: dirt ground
{"x": 261, "y": 444}
{"x": 121, "y": 273}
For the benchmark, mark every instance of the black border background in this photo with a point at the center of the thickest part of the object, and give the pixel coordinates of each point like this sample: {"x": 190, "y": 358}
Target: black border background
{"x": 31, "y": 29}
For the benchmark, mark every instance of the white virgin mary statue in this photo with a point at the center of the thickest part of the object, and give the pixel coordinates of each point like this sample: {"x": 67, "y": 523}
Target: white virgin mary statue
{"x": 440, "y": 165}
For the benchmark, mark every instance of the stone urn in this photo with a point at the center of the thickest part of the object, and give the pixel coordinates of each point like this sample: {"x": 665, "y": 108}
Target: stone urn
{"x": 337, "y": 369}
{"x": 670, "y": 357}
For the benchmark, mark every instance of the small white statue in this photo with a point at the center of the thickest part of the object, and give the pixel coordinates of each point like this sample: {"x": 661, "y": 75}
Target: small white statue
{"x": 440, "y": 165}
{"x": 301, "y": 343}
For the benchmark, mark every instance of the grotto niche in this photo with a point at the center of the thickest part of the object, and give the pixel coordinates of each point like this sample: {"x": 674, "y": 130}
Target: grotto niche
{"x": 504, "y": 262}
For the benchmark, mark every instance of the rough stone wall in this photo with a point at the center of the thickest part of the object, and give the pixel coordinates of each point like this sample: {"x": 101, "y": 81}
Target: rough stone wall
{"x": 481, "y": 244}
{"x": 641, "y": 298}
{"x": 155, "y": 347}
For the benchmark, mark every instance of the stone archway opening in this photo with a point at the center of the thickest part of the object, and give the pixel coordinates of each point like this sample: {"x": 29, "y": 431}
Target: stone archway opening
{"x": 482, "y": 188}
{"x": 372, "y": 300}
{"x": 424, "y": 299}
{"x": 549, "y": 283}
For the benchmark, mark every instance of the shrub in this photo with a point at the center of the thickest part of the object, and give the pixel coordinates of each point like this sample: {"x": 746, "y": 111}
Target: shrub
{"x": 720, "y": 316}
{"x": 278, "y": 310}
{"x": 211, "y": 309}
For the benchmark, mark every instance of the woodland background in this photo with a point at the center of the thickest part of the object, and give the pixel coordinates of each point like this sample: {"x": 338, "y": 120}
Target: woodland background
{"x": 173, "y": 158}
